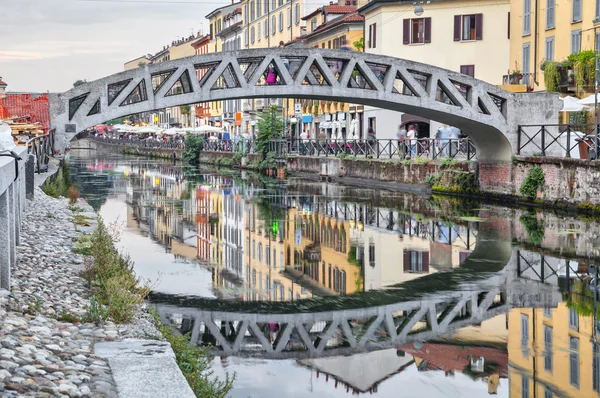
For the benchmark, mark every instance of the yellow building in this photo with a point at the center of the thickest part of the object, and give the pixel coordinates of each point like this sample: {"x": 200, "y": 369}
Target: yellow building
{"x": 551, "y": 353}
{"x": 332, "y": 26}
{"x": 217, "y": 20}
{"x": 138, "y": 62}
{"x": 552, "y": 31}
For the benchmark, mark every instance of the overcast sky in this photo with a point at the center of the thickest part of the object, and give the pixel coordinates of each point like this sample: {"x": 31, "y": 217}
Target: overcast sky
{"x": 46, "y": 45}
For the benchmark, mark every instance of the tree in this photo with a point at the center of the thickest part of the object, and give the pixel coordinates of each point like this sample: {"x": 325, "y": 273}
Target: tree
{"x": 194, "y": 144}
{"x": 141, "y": 64}
{"x": 359, "y": 45}
{"x": 79, "y": 82}
{"x": 270, "y": 126}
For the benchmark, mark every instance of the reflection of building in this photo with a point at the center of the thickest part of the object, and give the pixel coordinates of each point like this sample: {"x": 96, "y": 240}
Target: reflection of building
{"x": 488, "y": 364}
{"x": 552, "y": 353}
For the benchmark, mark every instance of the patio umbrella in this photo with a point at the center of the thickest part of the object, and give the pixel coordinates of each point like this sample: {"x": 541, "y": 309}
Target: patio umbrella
{"x": 589, "y": 100}
{"x": 148, "y": 129}
{"x": 207, "y": 129}
{"x": 572, "y": 104}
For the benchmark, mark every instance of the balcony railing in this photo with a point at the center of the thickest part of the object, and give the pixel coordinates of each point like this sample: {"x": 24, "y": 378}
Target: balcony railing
{"x": 518, "y": 78}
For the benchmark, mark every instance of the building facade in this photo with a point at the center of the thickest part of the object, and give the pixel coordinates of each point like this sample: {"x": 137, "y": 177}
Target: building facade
{"x": 549, "y": 30}
{"x": 201, "y": 110}
{"x": 466, "y": 36}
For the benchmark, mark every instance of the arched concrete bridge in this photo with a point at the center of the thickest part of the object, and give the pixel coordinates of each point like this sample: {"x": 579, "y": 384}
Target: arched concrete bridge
{"x": 418, "y": 310}
{"x": 488, "y": 114}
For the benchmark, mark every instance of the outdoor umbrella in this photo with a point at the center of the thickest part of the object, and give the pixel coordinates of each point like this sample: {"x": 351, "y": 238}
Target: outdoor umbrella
{"x": 572, "y": 104}
{"x": 148, "y": 129}
{"x": 207, "y": 129}
{"x": 589, "y": 100}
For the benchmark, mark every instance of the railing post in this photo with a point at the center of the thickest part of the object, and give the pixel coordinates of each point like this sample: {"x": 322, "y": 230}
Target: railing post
{"x": 543, "y": 140}
{"x": 468, "y": 150}
{"x": 568, "y": 154}
{"x": 519, "y": 140}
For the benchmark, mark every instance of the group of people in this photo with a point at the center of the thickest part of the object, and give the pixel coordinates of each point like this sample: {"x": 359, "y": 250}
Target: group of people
{"x": 446, "y": 140}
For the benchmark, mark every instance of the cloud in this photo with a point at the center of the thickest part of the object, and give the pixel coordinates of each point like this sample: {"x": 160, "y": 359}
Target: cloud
{"x": 48, "y": 44}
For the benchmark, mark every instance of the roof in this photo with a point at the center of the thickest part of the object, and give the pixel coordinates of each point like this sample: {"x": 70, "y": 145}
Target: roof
{"x": 330, "y": 9}
{"x": 148, "y": 57}
{"x": 2, "y": 83}
{"x": 376, "y": 3}
{"x": 201, "y": 41}
{"x": 216, "y": 11}
{"x": 342, "y": 20}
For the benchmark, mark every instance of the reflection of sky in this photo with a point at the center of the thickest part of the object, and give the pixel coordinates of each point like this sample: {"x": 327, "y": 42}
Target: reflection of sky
{"x": 154, "y": 263}
{"x": 275, "y": 379}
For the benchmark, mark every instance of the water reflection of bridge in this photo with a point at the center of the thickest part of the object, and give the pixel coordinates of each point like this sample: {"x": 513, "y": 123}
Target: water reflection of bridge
{"x": 417, "y": 310}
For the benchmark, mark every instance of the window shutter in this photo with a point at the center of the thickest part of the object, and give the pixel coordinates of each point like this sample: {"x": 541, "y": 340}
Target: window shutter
{"x": 374, "y": 35}
{"x": 457, "y": 27}
{"x": 427, "y": 30}
{"x": 406, "y": 260}
{"x": 406, "y": 31}
{"x": 478, "y": 26}
{"x": 425, "y": 260}
{"x": 508, "y": 25}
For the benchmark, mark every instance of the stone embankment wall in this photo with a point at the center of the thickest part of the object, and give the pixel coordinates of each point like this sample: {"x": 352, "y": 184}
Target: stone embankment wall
{"x": 166, "y": 153}
{"x": 568, "y": 182}
{"x": 16, "y": 182}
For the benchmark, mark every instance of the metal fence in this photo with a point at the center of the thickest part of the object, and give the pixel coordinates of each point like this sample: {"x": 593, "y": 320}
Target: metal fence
{"x": 424, "y": 148}
{"x": 42, "y": 147}
{"x": 563, "y": 140}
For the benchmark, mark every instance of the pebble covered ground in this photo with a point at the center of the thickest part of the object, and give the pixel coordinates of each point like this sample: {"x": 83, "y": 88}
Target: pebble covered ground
{"x": 41, "y": 356}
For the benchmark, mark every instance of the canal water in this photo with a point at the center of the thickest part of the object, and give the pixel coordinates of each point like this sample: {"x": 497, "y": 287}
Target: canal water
{"x": 309, "y": 289}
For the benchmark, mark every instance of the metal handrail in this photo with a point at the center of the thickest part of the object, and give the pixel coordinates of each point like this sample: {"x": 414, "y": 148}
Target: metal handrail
{"x": 43, "y": 148}
{"x": 539, "y": 140}
{"x": 422, "y": 148}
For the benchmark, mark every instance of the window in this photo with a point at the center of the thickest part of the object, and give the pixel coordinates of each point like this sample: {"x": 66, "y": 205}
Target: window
{"x": 549, "y": 57}
{"x": 372, "y": 254}
{"x": 258, "y": 8}
{"x": 254, "y": 249}
{"x": 313, "y": 24}
{"x": 273, "y": 5}
{"x": 289, "y": 17}
{"x": 468, "y": 70}
{"x": 373, "y": 35}
{"x": 266, "y": 28}
{"x": 524, "y": 387}
{"x": 260, "y": 249}
{"x": 526, "y": 58}
{"x": 550, "y": 6}
{"x": 547, "y": 393}
{"x": 548, "y": 348}
{"x": 252, "y": 35}
{"x": 526, "y": 17}
{"x": 577, "y": 10}
{"x": 274, "y": 258}
{"x": 252, "y": 11}
{"x": 280, "y": 21}
{"x": 297, "y": 14}
{"x": 548, "y": 312}
{"x": 468, "y": 27}
{"x": 575, "y": 41}
{"x": 280, "y": 3}
{"x": 416, "y": 31}
{"x": 574, "y": 361}
{"x": 218, "y": 26}
{"x": 273, "y": 24}
{"x": 524, "y": 331}
{"x": 267, "y": 256}
{"x": 573, "y": 319}
{"x": 597, "y": 9}
{"x": 258, "y": 31}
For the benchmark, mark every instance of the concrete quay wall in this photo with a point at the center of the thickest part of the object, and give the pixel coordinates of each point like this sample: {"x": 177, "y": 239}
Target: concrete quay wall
{"x": 16, "y": 184}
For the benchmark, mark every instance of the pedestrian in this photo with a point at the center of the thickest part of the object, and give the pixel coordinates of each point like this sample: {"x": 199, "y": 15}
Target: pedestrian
{"x": 441, "y": 138}
{"x": 411, "y": 138}
{"x": 454, "y": 138}
{"x": 371, "y": 141}
{"x": 401, "y": 139}
{"x": 304, "y": 139}
{"x": 271, "y": 76}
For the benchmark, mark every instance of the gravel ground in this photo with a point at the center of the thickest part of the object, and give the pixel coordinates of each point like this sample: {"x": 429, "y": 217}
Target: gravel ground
{"x": 39, "y": 355}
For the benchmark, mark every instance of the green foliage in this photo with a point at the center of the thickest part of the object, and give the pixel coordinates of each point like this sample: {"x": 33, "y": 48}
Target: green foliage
{"x": 464, "y": 181}
{"x": 83, "y": 244}
{"x": 269, "y": 162}
{"x": 551, "y": 76}
{"x": 535, "y": 229}
{"x": 79, "y": 83}
{"x": 116, "y": 291}
{"x": 60, "y": 184}
{"x": 447, "y": 162}
{"x": 342, "y": 155}
{"x": 432, "y": 179}
{"x": 270, "y": 126}
{"x": 238, "y": 156}
{"x": 185, "y": 109}
{"x": 534, "y": 181}
{"x": 359, "y": 45}
{"x": 194, "y": 144}
{"x": 194, "y": 362}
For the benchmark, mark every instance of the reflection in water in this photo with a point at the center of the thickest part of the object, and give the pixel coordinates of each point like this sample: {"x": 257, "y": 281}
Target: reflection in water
{"x": 424, "y": 295}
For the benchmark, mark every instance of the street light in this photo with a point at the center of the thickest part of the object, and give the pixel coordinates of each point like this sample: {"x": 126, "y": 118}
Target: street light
{"x": 418, "y": 10}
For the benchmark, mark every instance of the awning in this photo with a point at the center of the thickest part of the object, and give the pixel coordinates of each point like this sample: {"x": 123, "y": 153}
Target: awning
{"x": 325, "y": 125}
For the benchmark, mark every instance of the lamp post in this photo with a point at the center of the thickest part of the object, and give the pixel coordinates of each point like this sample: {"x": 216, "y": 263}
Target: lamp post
{"x": 596, "y": 94}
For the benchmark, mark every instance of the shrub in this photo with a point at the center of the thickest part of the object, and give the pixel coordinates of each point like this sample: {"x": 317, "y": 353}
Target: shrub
{"x": 535, "y": 229}
{"x": 194, "y": 144}
{"x": 534, "y": 181}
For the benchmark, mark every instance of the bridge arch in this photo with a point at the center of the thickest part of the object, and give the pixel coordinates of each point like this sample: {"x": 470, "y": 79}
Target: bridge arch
{"x": 487, "y": 113}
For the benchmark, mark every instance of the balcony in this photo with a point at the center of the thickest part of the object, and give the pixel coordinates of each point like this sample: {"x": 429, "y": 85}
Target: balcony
{"x": 518, "y": 82}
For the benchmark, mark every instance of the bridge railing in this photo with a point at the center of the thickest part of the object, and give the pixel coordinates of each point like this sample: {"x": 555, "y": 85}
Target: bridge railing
{"x": 42, "y": 148}
{"x": 421, "y": 148}
{"x": 563, "y": 140}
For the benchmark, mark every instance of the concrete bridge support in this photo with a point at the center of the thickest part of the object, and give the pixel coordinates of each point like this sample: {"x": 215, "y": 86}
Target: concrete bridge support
{"x": 13, "y": 181}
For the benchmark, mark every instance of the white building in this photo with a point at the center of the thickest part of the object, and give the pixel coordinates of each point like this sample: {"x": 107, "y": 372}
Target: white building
{"x": 466, "y": 36}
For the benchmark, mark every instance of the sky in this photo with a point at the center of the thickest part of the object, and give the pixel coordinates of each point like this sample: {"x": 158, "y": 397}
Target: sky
{"x": 46, "y": 45}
